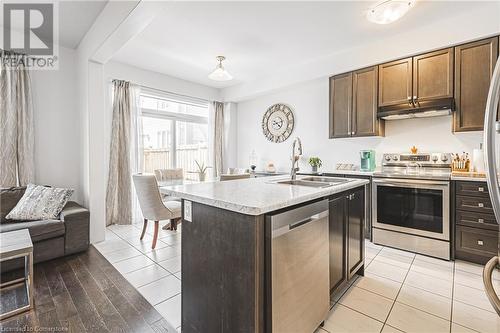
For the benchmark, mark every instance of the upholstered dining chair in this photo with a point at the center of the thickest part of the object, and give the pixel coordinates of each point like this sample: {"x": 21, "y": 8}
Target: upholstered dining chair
{"x": 152, "y": 206}
{"x": 166, "y": 175}
{"x": 225, "y": 177}
{"x": 169, "y": 174}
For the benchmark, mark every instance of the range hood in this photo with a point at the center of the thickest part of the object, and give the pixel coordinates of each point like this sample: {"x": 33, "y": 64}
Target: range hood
{"x": 435, "y": 108}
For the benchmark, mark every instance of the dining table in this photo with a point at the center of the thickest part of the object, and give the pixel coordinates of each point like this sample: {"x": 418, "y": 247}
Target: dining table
{"x": 176, "y": 182}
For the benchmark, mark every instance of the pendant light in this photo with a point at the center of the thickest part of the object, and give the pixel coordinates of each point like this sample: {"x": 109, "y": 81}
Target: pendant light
{"x": 219, "y": 73}
{"x": 388, "y": 11}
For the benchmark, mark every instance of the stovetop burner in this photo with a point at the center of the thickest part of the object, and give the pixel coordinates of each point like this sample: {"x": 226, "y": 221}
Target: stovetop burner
{"x": 416, "y": 166}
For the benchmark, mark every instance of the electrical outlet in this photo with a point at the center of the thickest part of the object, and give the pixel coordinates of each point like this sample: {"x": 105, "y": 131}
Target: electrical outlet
{"x": 188, "y": 211}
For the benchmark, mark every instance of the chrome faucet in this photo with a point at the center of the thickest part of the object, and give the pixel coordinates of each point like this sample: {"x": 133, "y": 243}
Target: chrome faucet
{"x": 295, "y": 158}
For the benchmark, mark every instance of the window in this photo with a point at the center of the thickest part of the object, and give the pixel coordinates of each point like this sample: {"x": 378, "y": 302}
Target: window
{"x": 174, "y": 131}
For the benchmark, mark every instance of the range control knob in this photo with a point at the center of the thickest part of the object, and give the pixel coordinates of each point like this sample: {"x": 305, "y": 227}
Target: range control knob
{"x": 387, "y": 157}
{"x": 444, "y": 158}
{"x": 435, "y": 158}
{"x": 395, "y": 157}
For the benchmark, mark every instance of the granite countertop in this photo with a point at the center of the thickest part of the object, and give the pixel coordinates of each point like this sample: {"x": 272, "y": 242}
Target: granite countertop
{"x": 255, "y": 196}
{"x": 469, "y": 178}
{"x": 347, "y": 172}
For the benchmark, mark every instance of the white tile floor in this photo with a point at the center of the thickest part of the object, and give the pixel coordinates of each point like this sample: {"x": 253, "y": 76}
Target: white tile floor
{"x": 155, "y": 273}
{"x": 400, "y": 292}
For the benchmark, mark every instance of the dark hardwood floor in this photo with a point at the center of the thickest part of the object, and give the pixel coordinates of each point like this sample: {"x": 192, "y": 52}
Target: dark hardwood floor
{"x": 83, "y": 293}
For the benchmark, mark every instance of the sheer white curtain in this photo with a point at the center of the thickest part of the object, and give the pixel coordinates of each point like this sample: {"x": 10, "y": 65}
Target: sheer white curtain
{"x": 216, "y": 137}
{"x": 125, "y": 154}
{"x": 137, "y": 147}
{"x": 17, "y": 161}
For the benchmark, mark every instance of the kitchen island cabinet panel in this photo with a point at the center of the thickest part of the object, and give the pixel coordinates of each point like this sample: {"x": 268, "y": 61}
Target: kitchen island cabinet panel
{"x": 355, "y": 227}
{"x": 337, "y": 230}
{"x": 346, "y": 225}
{"x": 222, "y": 271}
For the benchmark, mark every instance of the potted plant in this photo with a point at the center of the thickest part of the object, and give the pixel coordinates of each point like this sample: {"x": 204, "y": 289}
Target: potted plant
{"x": 315, "y": 163}
{"x": 202, "y": 170}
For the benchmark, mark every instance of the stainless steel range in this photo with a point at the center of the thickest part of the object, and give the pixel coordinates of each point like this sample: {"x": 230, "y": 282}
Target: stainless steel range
{"x": 411, "y": 203}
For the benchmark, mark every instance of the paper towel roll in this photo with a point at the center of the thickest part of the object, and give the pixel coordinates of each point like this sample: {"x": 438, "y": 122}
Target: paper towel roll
{"x": 478, "y": 160}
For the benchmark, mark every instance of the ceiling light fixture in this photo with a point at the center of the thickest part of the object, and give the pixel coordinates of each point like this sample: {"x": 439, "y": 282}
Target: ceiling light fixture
{"x": 388, "y": 11}
{"x": 219, "y": 73}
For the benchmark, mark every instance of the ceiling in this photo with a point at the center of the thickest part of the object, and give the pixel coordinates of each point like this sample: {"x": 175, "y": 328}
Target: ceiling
{"x": 75, "y": 19}
{"x": 259, "y": 38}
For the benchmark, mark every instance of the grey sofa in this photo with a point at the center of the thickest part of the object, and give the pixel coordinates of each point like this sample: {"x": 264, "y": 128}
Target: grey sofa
{"x": 51, "y": 238}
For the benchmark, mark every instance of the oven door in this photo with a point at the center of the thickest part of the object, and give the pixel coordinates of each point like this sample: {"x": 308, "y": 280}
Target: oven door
{"x": 413, "y": 206}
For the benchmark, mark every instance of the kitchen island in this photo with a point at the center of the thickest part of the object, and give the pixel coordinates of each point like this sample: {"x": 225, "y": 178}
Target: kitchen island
{"x": 227, "y": 269}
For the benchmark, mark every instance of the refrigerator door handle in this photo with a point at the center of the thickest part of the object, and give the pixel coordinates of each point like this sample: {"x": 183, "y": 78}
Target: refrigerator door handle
{"x": 491, "y": 174}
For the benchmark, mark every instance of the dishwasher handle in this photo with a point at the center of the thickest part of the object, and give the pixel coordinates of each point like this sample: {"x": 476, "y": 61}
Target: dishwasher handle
{"x": 287, "y": 221}
{"x": 287, "y": 228}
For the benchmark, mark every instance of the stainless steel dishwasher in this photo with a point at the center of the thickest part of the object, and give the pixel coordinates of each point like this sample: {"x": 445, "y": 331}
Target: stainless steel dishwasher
{"x": 300, "y": 287}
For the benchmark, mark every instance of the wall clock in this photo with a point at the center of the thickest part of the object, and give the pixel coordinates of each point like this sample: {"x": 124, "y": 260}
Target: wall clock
{"x": 277, "y": 123}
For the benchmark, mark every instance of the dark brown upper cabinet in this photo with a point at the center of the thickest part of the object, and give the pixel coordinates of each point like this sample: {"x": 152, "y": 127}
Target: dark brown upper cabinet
{"x": 365, "y": 103}
{"x": 395, "y": 80}
{"x": 340, "y": 105}
{"x": 474, "y": 65}
{"x": 423, "y": 81}
{"x": 433, "y": 76}
{"x": 353, "y": 104}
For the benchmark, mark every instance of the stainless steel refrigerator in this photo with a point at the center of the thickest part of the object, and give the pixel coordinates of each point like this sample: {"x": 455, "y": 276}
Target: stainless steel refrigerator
{"x": 491, "y": 135}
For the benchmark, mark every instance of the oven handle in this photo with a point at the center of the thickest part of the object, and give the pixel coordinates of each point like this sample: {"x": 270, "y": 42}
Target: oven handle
{"x": 414, "y": 183}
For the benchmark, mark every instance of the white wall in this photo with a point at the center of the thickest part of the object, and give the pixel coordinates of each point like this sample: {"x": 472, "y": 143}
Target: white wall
{"x": 309, "y": 102}
{"x": 116, "y": 70}
{"x": 58, "y": 159}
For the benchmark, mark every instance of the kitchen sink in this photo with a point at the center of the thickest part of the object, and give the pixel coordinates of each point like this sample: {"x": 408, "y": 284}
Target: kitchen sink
{"x": 307, "y": 183}
{"x": 333, "y": 180}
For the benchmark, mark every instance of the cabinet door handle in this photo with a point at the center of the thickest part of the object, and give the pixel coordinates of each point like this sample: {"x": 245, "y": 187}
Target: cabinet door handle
{"x": 480, "y": 220}
{"x": 480, "y": 189}
{"x": 415, "y": 101}
{"x": 409, "y": 100}
{"x": 480, "y": 204}
{"x": 480, "y": 242}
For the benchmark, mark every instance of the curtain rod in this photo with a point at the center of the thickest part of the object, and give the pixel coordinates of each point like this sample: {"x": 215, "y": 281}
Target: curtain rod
{"x": 168, "y": 92}
{"x": 19, "y": 54}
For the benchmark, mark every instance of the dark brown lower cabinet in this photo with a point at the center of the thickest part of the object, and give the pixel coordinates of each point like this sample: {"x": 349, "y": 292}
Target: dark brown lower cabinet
{"x": 368, "y": 200}
{"x": 337, "y": 228}
{"x": 355, "y": 231}
{"x": 475, "y": 244}
{"x": 476, "y": 230}
{"x": 346, "y": 229}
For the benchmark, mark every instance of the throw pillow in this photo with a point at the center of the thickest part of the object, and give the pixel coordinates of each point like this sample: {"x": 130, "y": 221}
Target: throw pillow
{"x": 40, "y": 203}
{"x": 9, "y": 197}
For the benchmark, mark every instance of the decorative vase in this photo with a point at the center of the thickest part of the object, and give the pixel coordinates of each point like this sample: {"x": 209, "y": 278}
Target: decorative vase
{"x": 201, "y": 176}
{"x": 314, "y": 169}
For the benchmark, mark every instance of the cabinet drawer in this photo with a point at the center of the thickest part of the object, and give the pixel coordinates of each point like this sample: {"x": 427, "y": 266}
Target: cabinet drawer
{"x": 476, "y": 220}
{"x": 477, "y": 189}
{"x": 477, "y": 241}
{"x": 474, "y": 204}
